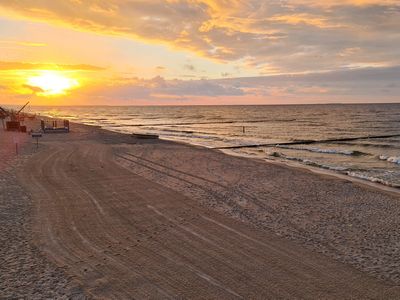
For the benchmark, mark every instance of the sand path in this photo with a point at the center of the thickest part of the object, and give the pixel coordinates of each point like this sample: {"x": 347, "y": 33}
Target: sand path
{"x": 122, "y": 236}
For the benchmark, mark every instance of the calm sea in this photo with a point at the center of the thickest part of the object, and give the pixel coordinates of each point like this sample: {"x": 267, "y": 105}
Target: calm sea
{"x": 374, "y": 159}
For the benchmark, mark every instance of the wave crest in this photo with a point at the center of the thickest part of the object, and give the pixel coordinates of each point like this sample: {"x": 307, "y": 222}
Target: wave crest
{"x": 327, "y": 151}
{"x": 392, "y": 159}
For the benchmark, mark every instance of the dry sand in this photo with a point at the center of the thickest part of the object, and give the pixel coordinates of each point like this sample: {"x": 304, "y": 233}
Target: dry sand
{"x": 25, "y": 273}
{"x": 129, "y": 218}
{"x": 351, "y": 222}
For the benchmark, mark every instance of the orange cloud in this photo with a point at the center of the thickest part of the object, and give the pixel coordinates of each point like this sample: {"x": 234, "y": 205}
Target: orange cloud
{"x": 7, "y": 66}
{"x": 24, "y": 43}
{"x": 327, "y": 3}
{"x": 19, "y": 79}
{"x": 295, "y": 19}
{"x": 291, "y": 36}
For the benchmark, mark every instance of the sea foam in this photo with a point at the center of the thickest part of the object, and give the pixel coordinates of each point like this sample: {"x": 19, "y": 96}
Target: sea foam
{"x": 327, "y": 151}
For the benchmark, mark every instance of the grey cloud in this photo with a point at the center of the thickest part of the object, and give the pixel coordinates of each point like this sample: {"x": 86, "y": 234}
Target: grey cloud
{"x": 34, "y": 89}
{"x": 364, "y": 75}
{"x": 189, "y": 67}
{"x": 150, "y": 88}
{"x": 202, "y": 88}
{"x": 366, "y": 84}
{"x": 363, "y": 83}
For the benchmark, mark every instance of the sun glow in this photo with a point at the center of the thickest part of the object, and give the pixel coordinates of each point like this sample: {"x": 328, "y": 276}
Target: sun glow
{"x": 52, "y": 83}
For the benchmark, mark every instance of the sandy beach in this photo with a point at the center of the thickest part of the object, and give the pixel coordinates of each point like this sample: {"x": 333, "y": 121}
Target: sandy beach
{"x": 25, "y": 271}
{"x": 97, "y": 214}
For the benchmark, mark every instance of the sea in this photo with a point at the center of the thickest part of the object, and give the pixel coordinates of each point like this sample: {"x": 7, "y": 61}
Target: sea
{"x": 360, "y": 140}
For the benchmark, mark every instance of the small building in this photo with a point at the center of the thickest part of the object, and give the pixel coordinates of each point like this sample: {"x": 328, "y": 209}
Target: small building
{"x": 54, "y": 126}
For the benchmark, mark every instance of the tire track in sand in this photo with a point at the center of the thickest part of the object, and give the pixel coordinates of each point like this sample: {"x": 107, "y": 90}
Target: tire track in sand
{"x": 123, "y": 236}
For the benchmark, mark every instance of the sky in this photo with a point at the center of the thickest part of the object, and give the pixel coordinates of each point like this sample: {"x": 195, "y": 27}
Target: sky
{"x": 191, "y": 52}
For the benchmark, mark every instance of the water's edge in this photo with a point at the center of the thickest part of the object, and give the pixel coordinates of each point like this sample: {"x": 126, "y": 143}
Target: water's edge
{"x": 290, "y": 164}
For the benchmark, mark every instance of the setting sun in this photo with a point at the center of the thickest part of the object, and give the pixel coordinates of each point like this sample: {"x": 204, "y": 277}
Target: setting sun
{"x": 52, "y": 83}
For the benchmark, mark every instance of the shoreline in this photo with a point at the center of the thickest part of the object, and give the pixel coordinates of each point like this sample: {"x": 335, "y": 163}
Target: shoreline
{"x": 375, "y": 183}
{"x": 288, "y": 163}
{"x": 323, "y": 172}
{"x": 296, "y": 167}
{"x": 183, "y": 201}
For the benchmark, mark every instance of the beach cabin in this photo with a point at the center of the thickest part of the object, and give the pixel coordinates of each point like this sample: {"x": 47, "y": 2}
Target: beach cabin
{"x": 54, "y": 126}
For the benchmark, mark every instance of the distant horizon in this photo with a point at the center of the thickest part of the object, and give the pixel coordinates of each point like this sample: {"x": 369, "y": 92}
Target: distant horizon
{"x": 197, "y": 105}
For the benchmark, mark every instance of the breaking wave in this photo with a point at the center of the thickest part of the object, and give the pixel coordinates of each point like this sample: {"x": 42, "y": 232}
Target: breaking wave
{"x": 343, "y": 170}
{"x": 308, "y": 162}
{"x": 327, "y": 151}
{"x": 392, "y": 159}
{"x": 371, "y": 178}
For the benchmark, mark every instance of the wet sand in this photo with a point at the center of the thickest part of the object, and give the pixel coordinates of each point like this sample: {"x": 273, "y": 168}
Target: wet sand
{"x": 126, "y": 218}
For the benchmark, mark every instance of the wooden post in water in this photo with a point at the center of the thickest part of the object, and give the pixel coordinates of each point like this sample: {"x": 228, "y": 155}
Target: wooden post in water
{"x": 244, "y": 129}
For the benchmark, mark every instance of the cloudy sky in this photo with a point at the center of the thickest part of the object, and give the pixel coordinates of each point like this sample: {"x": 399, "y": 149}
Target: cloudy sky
{"x": 151, "y": 52}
